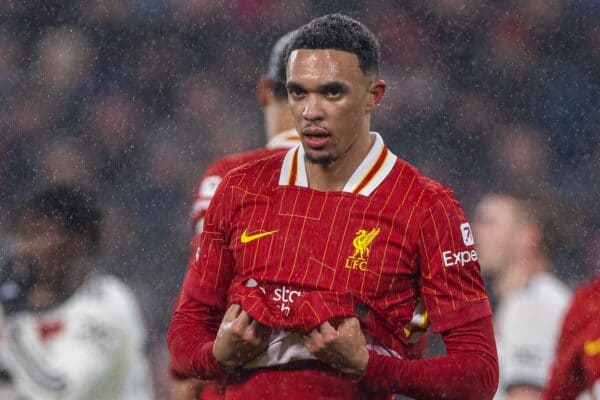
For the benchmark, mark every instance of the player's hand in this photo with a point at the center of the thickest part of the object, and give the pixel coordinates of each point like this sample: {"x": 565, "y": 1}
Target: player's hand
{"x": 240, "y": 338}
{"x": 344, "y": 348}
{"x": 186, "y": 389}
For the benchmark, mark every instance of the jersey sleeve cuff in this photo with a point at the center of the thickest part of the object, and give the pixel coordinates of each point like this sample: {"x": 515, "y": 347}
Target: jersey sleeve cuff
{"x": 375, "y": 375}
{"x": 215, "y": 368}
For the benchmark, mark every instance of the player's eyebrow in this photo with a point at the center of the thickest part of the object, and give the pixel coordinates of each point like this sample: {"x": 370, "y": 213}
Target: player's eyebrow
{"x": 294, "y": 87}
{"x": 328, "y": 87}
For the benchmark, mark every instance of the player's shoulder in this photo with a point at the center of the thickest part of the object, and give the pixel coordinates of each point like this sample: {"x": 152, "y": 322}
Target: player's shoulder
{"x": 549, "y": 286}
{"x": 543, "y": 291}
{"x": 225, "y": 164}
{"x": 106, "y": 309}
{"x": 260, "y": 170}
{"x": 104, "y": 286}
{"x": 117, "y": 305}
{"x": 107, "y": 295}
{"x": 588, "y": 295}
{"x": 422, "y": 188}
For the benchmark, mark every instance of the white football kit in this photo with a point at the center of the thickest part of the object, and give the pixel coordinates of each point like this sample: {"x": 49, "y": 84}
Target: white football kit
{"x": 528, "y": 324}
{"x": 89, "y": 347}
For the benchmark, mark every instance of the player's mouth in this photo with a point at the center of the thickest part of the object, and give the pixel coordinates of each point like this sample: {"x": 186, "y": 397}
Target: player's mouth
{"x": 315, "y": 137}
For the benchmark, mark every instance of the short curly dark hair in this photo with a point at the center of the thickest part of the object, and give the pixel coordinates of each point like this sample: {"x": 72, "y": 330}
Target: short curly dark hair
{"x": 277, "y": 63}
{"x": 339, "y": 32}
{"x": 72, "y": 208}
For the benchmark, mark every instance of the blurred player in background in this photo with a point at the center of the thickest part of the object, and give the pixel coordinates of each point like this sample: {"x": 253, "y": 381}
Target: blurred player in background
{"x": 319, "y": 267}
{"x": 575, "y": 373}
{"x": 78, "y": 334}
{"x": 279, "y": 127}
{"x": 514, "y": 235}
{"x": 281, "y": 135}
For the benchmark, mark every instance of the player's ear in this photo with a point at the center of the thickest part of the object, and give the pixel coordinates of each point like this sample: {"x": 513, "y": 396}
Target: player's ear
{"x": 263, "y": 92}
{"x": 376, "y": 93}
{"x": 532, "y": 237}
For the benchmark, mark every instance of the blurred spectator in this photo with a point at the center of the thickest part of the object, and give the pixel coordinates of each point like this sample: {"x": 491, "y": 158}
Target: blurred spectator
{"x": 72, "y": 332}
{"x": 514, "y": 235}
{"x": 520, "y": 155}
{"x": 11, "y": 54}
{"x": 64, "y": 161}
{"x": 64, "y": 60}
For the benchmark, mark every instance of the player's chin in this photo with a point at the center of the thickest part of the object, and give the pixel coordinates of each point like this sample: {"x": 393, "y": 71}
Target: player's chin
{"x": 318, "y": 157}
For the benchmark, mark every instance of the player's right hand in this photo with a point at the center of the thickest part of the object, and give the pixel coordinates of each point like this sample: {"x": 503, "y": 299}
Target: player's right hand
{"x": 240, "y": 338}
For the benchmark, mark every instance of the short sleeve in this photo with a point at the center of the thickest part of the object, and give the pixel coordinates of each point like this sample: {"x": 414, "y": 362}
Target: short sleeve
{"x": 450, "y": 277}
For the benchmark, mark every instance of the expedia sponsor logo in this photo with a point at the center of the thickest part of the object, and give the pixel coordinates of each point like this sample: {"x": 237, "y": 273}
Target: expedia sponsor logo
{"x": 362, "y": 248}
{"x": 459, "y": 258}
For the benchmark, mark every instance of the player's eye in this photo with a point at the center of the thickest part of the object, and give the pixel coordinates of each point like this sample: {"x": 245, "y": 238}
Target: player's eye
{"x": 296, "y": 93}
{"x": 333, "y": 91}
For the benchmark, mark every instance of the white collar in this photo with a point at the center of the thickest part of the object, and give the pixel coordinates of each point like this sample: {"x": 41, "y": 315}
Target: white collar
{"x": 373, "y": 169}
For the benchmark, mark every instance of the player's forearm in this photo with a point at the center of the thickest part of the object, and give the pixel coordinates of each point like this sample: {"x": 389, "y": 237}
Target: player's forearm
{"x": 190, "y": 339}
{"x": 469, "y": 370}
{"x": 187, "y": 389}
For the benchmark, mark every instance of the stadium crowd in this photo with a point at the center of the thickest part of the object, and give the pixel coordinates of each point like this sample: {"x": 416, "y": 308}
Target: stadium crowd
{"x": 134, "y": 99}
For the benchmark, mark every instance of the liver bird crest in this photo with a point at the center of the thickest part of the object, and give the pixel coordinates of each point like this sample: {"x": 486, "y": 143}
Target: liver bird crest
{"x": 362, "y": 241}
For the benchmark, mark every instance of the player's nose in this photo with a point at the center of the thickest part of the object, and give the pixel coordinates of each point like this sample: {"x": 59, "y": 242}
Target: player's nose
{"x": 312, "y": 108}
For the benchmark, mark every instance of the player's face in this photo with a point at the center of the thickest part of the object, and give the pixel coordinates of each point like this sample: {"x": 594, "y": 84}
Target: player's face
{"x": 331, "y": 99}
{"x": 496, "y": 232}
{"x": 43, "y": 245}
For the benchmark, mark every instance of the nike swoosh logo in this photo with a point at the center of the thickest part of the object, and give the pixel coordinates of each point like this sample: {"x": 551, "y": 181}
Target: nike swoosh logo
{"x": 248, "y": 238}
{"x": 592, "y": 347}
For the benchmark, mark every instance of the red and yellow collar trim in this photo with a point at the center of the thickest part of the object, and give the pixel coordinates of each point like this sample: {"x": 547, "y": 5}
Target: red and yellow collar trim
{"x": 374, "y": 168}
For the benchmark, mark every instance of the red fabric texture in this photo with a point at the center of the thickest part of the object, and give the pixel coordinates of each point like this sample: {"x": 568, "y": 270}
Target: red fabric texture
{"x": 576, "y": 368}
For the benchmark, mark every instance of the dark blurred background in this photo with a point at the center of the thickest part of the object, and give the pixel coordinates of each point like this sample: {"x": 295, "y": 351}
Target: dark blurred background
{"x": 134, "y": 98}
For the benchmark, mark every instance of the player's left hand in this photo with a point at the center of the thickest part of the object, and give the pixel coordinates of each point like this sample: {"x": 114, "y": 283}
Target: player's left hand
{"x": 344, "y": 348}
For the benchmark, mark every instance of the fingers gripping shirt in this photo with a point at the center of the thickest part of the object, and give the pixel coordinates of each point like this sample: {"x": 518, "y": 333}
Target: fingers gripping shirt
{"x": 90, "y": 347}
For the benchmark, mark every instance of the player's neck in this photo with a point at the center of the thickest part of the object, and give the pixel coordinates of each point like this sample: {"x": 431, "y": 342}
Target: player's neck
{"x": 520, "y": 272}
{"x": 53, "y": 289}
{"x": 277, "y": 119}
{"x": 334, "y": 176}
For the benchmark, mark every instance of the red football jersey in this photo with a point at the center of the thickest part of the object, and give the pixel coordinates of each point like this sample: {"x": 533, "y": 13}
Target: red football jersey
{"x": 393, "y": 248}
{"x": 576, "y": 367}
